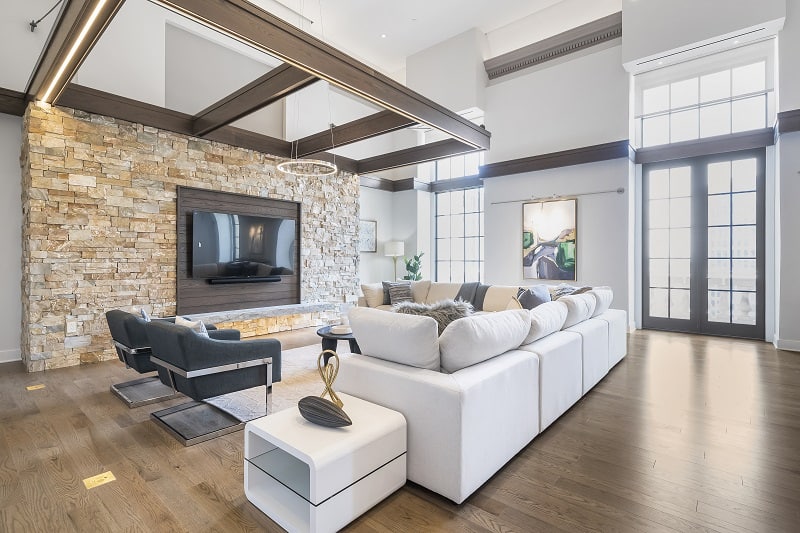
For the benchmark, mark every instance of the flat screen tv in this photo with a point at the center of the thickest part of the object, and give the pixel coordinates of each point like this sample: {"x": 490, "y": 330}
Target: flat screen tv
{"x": 227, "y": 247}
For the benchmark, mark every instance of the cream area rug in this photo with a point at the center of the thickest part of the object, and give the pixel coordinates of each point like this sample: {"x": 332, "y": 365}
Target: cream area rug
{"x": 299, "y": 378}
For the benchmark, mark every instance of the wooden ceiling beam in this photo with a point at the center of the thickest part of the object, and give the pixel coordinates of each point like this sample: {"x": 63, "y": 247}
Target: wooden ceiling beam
{"x": 12, "y": 102}
{"x": 367, "y": 127}
{"x": 271, "y": 87}
{"x": 253, "y": 26}
{"x": 103, "y": 103}
{"x": 79, "y": 26}
{"x": 413, "y": 156}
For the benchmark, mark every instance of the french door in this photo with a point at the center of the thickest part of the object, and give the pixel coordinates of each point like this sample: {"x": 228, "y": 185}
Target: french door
{"x": 703, "y": 254}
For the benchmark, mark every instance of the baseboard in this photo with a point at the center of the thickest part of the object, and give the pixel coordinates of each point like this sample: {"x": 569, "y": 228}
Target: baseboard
{"x": 8, "y": 356}
{"x": 787, "y": 344}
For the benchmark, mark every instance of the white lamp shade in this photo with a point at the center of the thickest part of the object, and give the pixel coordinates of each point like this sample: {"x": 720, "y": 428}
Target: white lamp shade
{"x": 394, "y": 248}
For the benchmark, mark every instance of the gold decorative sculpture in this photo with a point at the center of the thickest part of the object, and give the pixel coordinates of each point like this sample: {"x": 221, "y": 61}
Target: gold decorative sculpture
{"x": 328, "y": 372}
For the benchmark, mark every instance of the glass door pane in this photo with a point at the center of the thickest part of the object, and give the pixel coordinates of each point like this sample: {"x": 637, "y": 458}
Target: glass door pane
{"x": 670, "y": 242}
{"x": 732, "y": 241}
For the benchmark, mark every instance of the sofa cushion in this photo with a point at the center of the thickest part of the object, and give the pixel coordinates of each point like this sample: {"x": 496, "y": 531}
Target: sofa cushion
{"x": 513, "y": 303}
{"x": 476, "y": 338}
{"x": 443, "y": 312}
{"x": 373, "y": 294}
{"x": 603, "y": 296}
{"x": 579, "y": 308}
{"x": 546, "y": 319}
{"x": 532, "y": 296}
{"x": 419, "y": 290}
{"x": 497, "y": 297}
{"x": 406, "y": 339}
{"x": 442, "y": 291}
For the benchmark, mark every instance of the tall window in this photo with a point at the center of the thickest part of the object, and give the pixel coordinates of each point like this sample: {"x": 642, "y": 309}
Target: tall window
{"x": 724, "y": 94}
{"x": 459, "y": 236}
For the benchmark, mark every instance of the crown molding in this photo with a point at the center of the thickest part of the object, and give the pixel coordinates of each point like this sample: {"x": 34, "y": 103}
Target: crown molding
{"x": 568, "y": 42}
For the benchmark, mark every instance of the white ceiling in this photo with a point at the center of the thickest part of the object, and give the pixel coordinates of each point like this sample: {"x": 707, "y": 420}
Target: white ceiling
{"x": 354, "y": 26}
{"x": 357, "y": 26}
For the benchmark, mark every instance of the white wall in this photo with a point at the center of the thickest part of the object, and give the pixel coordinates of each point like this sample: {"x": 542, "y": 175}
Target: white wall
{"x": 603, "y": 239}
{"x": 554, "y": 19}
{"x": 10, "y": 238}
{"x": 16, "y": 65}
{"x": 787, "y": 189}
{"x": 379, "y": 206}
{"x": 188, "y": 60}
{"x": 789, "y": 58}
{"x": 563, "y": 105}
{"x": 451, "y": 73}
{"x": 653, "y": 27}
{"x": 123, "y": 62}
{"x": 787, "y": 334}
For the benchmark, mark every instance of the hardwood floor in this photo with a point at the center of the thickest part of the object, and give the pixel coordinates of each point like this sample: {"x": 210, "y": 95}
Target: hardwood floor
{"x": 687, "y": 433}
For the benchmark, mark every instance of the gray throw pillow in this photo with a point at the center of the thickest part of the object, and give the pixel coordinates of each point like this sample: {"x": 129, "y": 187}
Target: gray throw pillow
{"x": 530, "y": 297}
{"x": 387, "y": 300}
{"x": 443, "y": 312}
{"x": 400, "y": 292}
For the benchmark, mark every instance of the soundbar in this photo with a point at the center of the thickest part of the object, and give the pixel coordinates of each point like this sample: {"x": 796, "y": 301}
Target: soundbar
{"x": 254, "y": 279}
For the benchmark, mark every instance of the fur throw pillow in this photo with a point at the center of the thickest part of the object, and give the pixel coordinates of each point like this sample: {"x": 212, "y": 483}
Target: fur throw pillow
{"x": 443, "y": 312}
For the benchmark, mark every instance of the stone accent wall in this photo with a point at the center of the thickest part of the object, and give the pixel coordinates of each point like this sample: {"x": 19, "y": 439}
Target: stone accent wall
{"x": 99, "y": 227}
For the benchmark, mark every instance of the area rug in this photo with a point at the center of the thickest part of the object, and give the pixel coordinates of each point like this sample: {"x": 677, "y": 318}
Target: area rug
{"x": 299, "y": 378}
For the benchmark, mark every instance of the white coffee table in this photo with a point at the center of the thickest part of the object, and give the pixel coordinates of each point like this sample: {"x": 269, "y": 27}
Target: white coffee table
{"x": 307, "y": 477}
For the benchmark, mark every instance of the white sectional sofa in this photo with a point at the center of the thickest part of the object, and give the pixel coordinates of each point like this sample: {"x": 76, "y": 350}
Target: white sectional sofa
{"x": 476, "y": 395}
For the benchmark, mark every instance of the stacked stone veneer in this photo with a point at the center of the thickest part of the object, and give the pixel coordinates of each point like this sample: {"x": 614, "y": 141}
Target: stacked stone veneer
{"x": 99, "y": 226}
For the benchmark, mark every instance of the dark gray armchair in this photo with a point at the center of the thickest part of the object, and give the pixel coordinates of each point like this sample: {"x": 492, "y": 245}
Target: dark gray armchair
{"x": 201, "y": 368}
{"x": 133, "y": 349}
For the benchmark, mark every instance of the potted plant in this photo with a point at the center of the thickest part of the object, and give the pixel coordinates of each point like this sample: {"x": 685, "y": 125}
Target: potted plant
{"x": 414, "y": 268}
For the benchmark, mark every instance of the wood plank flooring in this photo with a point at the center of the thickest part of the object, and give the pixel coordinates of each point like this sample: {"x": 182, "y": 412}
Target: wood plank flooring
{"x": 687, "y": 433}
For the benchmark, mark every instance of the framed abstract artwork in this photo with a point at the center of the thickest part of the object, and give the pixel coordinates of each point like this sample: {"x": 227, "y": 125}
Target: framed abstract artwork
{"x": 549, "y": 239}
{"x": 368, "y": 236}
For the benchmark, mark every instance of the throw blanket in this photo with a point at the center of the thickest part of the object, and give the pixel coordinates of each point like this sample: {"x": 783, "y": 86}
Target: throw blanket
{"x": 443, "y": 312}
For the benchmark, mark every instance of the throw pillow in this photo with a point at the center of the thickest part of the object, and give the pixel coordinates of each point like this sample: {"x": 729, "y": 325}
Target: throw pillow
{"x": 530, "y": 297}
{"x": 203, "y": 332}
{"x": 145, "y": 314}
{"x": 400, "y": 292}
{"x": 565, "y": 290}
{"x": 387, "y": 300}
{"x": 191, "y": 324}
{"x": 443, "y": 312}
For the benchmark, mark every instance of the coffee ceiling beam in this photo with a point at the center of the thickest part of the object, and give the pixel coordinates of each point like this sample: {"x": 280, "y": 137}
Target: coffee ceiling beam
{"x": 107, "y": 104}
{"x": 367, "y": 127}
{"x": 255, "y": 27}
{"x": 12, "y": 102}
{"x": 79, "y": 26}
{"x": 271, "y": 87}
{"x": 413, "y": 156}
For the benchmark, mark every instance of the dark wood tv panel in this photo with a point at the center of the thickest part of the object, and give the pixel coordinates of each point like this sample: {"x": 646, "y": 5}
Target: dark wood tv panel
{"x": 195, "y": 295}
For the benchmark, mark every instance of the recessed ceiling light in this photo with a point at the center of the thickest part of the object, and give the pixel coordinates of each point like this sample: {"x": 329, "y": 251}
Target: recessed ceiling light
{"x": 383, "y": 36}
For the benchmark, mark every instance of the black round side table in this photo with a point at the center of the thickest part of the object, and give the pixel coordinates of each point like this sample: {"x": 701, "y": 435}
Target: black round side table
{"x": 330, "y": 340}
